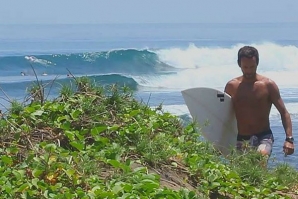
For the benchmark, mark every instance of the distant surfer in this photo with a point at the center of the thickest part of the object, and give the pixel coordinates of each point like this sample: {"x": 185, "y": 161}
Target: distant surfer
{"x": 253, "y": 95}
{"x": 31, "y": 58}
{"x": 69, "y": 75}
{"x": 23, "y": 74}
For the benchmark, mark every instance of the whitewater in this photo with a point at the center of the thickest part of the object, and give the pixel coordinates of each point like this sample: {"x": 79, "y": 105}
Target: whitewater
{"x": 156, "y": 60}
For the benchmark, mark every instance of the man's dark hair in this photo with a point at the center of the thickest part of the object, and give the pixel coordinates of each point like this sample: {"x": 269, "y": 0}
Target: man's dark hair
{"x": 248, "y": 52}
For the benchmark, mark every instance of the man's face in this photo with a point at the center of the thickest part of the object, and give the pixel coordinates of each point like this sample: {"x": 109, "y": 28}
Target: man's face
{"x": 248, "y": 67}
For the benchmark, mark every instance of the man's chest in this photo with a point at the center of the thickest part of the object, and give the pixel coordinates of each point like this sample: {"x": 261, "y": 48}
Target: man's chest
{"x": 254, "y": 94}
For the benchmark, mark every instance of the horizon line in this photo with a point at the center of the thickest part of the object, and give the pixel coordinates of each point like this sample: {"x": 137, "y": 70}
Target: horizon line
{"x": 140, "y": 23}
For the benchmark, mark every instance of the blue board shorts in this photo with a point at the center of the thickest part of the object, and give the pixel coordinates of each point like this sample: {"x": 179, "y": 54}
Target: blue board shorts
{"x": 262, "y": 142}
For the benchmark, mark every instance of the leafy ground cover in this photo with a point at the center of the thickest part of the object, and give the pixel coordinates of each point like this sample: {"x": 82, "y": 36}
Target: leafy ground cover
{"x": 96, "y": 141}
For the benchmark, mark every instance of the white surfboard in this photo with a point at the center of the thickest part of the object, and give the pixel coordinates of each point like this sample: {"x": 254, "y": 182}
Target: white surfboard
{"x": 213, "y": 111}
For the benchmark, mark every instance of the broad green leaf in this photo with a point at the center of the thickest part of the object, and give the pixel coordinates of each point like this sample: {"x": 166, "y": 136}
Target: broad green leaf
{"x": 65, "y": 125}
{"x": 75, "y": 114}
{"x": 114, "y": 163}
{"x": 215, "y": 184}
{"x": 50, "y": 147}
{"x": 52, "y": 195}
{"x": 134, "y": 112}
{"x": 6, "y": 159}
{"x": 149, "y": 184}
{"x": 70, "y": 135}
{"x": 23, "y": 187}
{"x": 45, "y": 194}
{"x": 37, "y": 172}
{"x": 17, "y": 174}
{"x": 37, "y": 113}
{"x": 63, "y": 118}
{"x": 97, "y": 130}
{"x": 113, "y": 128}
{"x": 77, "y": 145}
{"x": 8, "y": 188}
{"x": 117, "y": 188}
{"x": 29, "y": 109}
{"x": 34, "y": 182}
{"x": 70, "y": 172}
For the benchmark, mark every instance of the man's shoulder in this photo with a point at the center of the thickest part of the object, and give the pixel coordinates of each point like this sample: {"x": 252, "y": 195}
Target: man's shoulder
{"x": 269, "y": 83}
{"x": 232, "y": 85}
{"x": 235, "y": 80}
{"x": 266, "y": 80}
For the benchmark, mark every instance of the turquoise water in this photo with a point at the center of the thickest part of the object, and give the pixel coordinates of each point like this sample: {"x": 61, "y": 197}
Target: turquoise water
{"x": 156, "y": 60}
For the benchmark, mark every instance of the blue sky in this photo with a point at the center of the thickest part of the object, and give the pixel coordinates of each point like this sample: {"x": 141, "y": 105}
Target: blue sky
{"x": 146, "y": 11}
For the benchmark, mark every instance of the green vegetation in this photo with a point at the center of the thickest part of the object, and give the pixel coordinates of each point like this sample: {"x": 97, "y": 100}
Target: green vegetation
{"x": 99, "y": 142}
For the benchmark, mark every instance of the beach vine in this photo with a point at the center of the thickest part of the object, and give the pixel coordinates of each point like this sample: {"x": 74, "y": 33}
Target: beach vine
{"x": 95, "y": 141}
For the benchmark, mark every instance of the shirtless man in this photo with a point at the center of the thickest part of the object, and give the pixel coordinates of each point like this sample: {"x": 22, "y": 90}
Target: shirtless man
{"x": 252, "y": 96}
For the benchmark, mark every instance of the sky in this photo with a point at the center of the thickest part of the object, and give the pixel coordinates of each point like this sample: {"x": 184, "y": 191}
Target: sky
{"x": 146, "y": 11}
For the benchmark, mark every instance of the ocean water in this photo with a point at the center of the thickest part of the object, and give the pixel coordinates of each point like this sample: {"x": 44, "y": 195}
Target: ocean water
{"x": 155, "y": 60}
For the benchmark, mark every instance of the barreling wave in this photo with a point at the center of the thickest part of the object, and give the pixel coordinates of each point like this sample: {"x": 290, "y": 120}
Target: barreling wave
{"x": 128, "y": 61}
{"x": 170, "y": 68}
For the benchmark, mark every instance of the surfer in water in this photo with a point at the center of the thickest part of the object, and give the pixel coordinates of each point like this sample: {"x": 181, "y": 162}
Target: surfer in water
{"x": 69, "y": 75}
{"x": 252, "y": 96}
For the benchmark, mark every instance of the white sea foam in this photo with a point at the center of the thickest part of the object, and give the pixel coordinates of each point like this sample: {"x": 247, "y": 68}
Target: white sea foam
{"x": 291, "y": 107}
{"x": 176, "y": 109}
{"x": 214, "y": 66}
{"x": 44, "y": 62}
{"x": 274, "y": 114}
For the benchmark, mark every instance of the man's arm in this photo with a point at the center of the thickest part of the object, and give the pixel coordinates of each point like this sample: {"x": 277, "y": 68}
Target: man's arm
{"x": 229, "y": 88}
{"x": 280, "y": 106}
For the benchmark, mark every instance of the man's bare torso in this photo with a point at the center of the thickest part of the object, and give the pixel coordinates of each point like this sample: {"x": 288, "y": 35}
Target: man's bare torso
{"x": 252, "y": 104}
